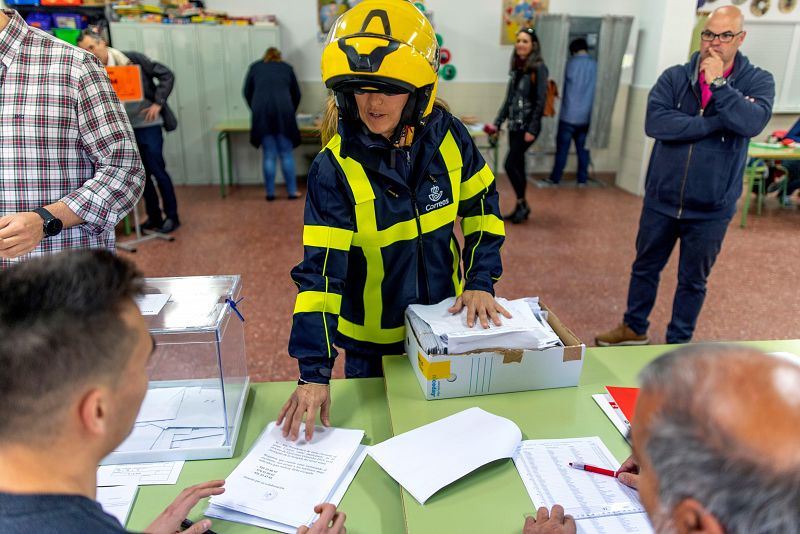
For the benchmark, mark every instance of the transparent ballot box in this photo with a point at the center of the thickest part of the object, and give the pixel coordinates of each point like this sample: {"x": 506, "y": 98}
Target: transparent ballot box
{"x": 198, "y": 373}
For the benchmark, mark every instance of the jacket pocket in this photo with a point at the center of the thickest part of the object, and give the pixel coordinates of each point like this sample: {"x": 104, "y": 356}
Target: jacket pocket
{"x": 708, "y": 178}
{"x": 666, "y": 171}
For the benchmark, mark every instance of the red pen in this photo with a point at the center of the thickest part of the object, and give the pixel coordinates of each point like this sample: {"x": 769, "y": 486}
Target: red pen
{"x": 594, "y": 469}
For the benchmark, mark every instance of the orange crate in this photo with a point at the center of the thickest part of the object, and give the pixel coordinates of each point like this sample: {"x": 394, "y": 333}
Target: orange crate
{"x": 61, "y": 2}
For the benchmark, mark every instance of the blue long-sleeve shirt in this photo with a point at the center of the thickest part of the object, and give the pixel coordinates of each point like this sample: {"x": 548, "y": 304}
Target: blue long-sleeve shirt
{"x": 579, "y": 83}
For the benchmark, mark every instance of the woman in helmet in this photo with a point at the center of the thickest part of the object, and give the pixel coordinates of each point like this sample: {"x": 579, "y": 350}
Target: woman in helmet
{"x": 383, "y": 197}
{"x": 523, "y": 107}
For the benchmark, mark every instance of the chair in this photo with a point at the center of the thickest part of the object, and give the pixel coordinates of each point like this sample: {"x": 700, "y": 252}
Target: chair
{"x": 755, "y": 174}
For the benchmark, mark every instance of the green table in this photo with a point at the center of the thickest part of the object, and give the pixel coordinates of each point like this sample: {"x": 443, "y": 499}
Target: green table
{"x": 372, "y": 502}
{"x": 493, "y": 498}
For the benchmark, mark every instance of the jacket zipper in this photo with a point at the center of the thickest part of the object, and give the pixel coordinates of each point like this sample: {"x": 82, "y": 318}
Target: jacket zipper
{"x": 420, "y": 246}
{"x": 688, "y": 159}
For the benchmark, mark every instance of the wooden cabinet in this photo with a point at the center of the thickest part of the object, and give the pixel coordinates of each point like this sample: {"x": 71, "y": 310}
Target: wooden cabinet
{"x": 210, "y": 63}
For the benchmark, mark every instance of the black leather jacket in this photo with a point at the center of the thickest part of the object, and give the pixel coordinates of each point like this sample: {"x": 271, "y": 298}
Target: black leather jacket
{"x": 525, "y": 100}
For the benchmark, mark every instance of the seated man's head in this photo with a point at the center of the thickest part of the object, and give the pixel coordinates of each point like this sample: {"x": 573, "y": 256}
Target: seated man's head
{"x": 73, "y": 353}
{"x": 716, "y": 435}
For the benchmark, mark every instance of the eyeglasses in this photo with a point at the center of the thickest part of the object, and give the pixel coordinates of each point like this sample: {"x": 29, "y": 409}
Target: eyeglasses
{"x": 724, "y": 37}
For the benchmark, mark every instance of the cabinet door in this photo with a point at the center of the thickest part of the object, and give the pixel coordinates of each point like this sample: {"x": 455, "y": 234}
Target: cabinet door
{"x": 236, "y": 51}
{"x": 191, "y": 126}
{"x": 210, "y": 43}
{"x": 126, "y": 36}
{"x": 156, "y": 45}
{"x": 261, "y": 38}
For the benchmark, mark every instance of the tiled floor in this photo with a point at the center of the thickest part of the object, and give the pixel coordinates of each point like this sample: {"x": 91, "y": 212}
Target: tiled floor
{"x": 575, "y": 253}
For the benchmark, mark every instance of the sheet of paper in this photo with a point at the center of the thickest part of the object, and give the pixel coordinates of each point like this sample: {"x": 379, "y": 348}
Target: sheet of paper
{"x": 590, "y": 498}
{"x": 151, "y": 303}
{"x": 428, "y": 458}
{"x": 220, "y": 512}
{"x": 141, "y": 438}
{"x": 161, "y": 404}
{"x": 197, "y": 443}
{"x": 147, "y": 474}
{"x": 283, "y": 480}
{"x": 117, "y": 501}
{"x": 200, "y": 407}
{"x": 612, "y": 411}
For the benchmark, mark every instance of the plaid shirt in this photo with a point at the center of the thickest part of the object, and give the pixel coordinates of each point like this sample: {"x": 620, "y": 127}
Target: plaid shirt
{"x": 64, "y": 136}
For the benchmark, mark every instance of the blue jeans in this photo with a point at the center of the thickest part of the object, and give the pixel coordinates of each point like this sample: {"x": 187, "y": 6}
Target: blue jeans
{"x": 275, "y": 146}
{"x": 150, "y": 141}
{"x": 701, "y": 241}
{"x": 566, "y": 133}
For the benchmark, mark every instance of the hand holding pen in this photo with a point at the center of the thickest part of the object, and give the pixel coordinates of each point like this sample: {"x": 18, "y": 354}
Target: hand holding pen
{"x": 628, "y": 472}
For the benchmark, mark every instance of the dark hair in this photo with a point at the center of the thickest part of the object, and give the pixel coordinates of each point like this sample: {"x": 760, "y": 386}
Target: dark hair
{"x": 272, "y": 54}
{"x": 535, "y": 58}
{"x": 60, "y": 326}
{"x": 577, "y": 45}
{"x": 91, "y": 31}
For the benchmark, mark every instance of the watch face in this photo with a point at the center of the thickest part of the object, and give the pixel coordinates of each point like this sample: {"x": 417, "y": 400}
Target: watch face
{"x": 53, "y": 227}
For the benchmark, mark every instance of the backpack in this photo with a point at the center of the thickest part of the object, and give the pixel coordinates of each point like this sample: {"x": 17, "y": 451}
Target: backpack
{"x": 549, "y": 109}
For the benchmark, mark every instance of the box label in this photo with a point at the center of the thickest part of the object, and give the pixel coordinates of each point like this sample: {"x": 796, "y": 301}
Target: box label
{"x": 433, "y": 370}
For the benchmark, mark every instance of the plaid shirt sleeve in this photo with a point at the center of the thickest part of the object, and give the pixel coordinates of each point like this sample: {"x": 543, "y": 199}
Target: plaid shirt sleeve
{"x": 107, "y": 140}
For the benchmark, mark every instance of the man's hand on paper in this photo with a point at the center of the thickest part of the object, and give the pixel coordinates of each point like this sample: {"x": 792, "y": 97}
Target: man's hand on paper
{"x": 170, "y": 519}
{"x": 554, "y": 522}
{"x": 330, "y": 521}
{"x": 629, "y": 473}
{"x": 482, "y": 304}
{"x": 306, "y": 399}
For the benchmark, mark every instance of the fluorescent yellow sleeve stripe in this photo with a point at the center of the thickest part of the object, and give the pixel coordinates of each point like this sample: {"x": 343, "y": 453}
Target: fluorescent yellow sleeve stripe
{"x": 456, "y": 264}
{"x": 370, "y": 334}
{"x": 478, "y": 183}
{"x": 454, "y": 163}
{"x": 318, "y": 301}
{"x": 483, "y": 223}
{"x": 327, "y": 237}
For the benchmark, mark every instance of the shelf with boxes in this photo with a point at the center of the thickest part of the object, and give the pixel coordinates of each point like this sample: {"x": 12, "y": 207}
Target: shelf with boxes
{"x": 63, "y": 18}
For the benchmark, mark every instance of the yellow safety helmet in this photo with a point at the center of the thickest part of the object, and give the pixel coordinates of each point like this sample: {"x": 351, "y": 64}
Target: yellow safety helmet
{"x": 387, "y": 46}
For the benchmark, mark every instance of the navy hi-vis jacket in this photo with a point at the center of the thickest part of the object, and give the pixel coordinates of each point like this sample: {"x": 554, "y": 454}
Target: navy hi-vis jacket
{"x": 379, "y": 235}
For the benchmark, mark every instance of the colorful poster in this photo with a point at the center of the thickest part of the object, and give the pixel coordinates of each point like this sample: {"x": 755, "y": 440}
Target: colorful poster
{"x": 329, "y": 11}
{"x": 518, "y": 14}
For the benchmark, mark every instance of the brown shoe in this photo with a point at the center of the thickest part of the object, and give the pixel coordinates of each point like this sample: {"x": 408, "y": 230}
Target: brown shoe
{"x": 619, "y": 336}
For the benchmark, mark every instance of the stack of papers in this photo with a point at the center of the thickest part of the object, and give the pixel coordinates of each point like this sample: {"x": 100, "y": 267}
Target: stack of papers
{"x": 599, "y": 503}
{"x": 117, "y": 501}
{"x": 177, "y": 418}
{"x": 440, "y": 332}
{"x": 279, "y": 482}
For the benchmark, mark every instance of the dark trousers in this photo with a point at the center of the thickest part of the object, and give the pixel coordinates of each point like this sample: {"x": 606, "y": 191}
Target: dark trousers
{"x": 515, "y": 162}
{"x": 700, "y": 243}
{"x": 357, "y": 365}
{"x": 566, "y": 134}
{"x": 151, "y": 148}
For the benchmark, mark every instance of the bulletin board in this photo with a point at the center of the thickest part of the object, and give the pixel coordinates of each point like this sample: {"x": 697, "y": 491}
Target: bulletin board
{"x": 519, "y": 14}
{"x": 127, "y": 82}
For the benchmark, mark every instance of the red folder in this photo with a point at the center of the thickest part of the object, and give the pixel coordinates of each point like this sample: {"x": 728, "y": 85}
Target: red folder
{"x": 625, "y": 399}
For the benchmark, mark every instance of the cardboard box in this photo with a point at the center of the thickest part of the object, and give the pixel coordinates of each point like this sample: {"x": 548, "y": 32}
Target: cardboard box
{"x": 443, "y": 376}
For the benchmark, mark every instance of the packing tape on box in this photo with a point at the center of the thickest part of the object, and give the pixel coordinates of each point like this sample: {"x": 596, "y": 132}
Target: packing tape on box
{"x": 433, "y": 370}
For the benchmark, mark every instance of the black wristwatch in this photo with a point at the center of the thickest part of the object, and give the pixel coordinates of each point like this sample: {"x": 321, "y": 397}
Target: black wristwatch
{"x": 52, "y": 225}
{"x": 718, "y": 82}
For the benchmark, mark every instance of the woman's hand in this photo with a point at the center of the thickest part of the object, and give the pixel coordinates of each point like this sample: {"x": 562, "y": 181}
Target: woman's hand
{"x": 529, "y": 137}
{"x": 482, "y": 304}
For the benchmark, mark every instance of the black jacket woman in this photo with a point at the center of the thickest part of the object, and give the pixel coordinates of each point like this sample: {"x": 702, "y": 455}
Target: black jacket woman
{"x": 522, "y": 108}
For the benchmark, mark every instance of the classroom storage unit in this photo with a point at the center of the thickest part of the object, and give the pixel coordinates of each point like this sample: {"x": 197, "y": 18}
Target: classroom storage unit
{"x": 198, "y": 380}
{"x": 210, "y": 63}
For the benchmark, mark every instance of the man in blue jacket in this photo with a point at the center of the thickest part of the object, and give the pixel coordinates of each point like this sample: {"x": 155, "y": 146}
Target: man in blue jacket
{"x": 702, "y": 116}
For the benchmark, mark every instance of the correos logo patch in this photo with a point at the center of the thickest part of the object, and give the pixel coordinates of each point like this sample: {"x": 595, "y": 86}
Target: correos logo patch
{"x": 436, "y": 197}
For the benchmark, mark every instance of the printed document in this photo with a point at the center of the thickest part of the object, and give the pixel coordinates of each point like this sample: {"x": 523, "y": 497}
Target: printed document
{"x": 598, "y": 503}
{"x": 428, "y": 458}
{"x": 152, "y": 303}
{"x": 146, "y": 474}
{"x": 281, "y": 480}
{"x": 117, "y": 501}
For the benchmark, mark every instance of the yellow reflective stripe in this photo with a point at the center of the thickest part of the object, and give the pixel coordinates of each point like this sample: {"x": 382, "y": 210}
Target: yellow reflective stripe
{"x": 358, "y": 180}
{"x": 478, "y": 183}
{"x": 454, "y": 163}
{"x": 483, "y": 223}
{"x": 327, "y": 237}
{"x": 371, "y": 334}
{"x": 318, "y": 301}
{"x": 456, "y": 262}
{"x": 407, "y": 230}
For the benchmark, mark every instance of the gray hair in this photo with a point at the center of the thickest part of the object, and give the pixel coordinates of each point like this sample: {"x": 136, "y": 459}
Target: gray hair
{"x": 694, "y": 458}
